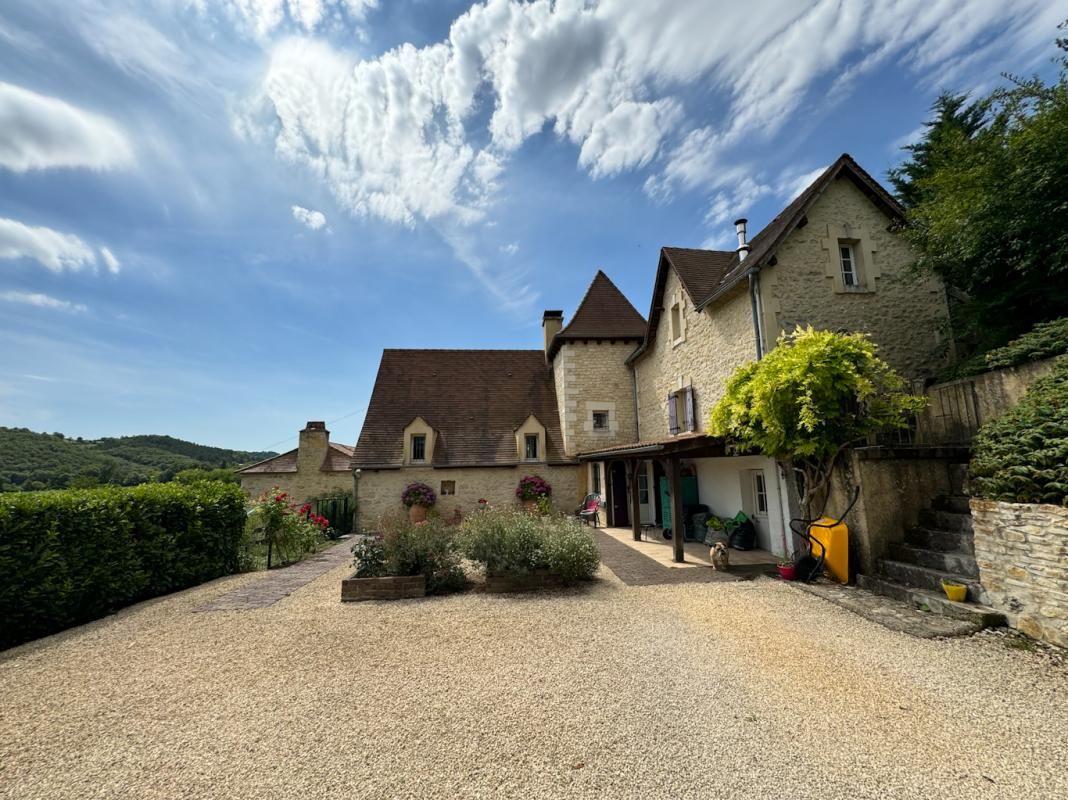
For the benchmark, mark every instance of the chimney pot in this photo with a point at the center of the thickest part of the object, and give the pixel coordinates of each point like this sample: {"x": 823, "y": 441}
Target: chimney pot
{"x": 743, "y": 244}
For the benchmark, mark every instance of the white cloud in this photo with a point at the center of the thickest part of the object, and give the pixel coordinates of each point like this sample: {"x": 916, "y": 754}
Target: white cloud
{"x": 52, "y": 249}
{"x": 264, "y": 18}
{"x": 110, "y": 261}
{"x": 510, "y": 249}
{"x": 39, "y": 132}
{"x": 41, "y": 301}
{"x": 310, "y": 219}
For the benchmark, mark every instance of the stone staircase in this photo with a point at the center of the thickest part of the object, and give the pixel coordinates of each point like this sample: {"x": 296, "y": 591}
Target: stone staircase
{"x": 941, "y": 546}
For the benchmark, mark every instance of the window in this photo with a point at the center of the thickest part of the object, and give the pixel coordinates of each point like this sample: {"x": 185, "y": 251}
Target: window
{"x": 676, "y": 322}
{"x": 643, "y": 488}
{"x": 682, "y": 414}
{"x": 531, "y": 444}
{"x": 600, "y": 420}
{"x": 418, "y": 447}
{"x": 596, "y": 478}
{"x": 760, "y": 493}
{"x": 447, "y": 487}
{"x": 849, "y": 266}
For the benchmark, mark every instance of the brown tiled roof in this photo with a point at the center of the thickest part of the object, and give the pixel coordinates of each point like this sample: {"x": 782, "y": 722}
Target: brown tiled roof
{"x": 604, "y": 313}
{"x": 710, "y": 274}
{"x": 338, "y": 459}
{"x": 473, "y": 399}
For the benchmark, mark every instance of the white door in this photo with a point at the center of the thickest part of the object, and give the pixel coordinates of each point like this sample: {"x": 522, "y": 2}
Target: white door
{"x": 646, "y": 502}
{"x": 755, "y": 502}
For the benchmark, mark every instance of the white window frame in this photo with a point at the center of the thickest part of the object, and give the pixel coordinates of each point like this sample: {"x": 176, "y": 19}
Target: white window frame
{"x": 418, "y": 437}
{"x": 526, "y": 446}
{"x": 596, "y": 465}
{"x": 760, "y": 492}
{"x": 847, "y": 261}
{"x": 643, "y": 488}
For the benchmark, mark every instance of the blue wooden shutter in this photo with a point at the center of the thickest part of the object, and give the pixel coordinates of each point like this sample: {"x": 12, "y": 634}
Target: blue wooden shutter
{"x": 689, "y": 408}
{"x": 673, "y": 416}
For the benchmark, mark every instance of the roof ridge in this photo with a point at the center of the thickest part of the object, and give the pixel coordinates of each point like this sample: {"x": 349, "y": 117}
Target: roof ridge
{"x": 589, "y": 289}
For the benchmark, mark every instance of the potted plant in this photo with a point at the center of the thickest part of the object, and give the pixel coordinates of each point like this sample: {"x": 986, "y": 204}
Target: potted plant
{"x": 787, "y": 569}
{"x": 418, "y": 497}
{"x": 532, "y": 491}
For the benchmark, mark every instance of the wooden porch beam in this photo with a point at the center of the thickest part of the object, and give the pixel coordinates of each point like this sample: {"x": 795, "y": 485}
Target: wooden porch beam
{"x": 678, "y": 523}
{"x": 635, "y": 505}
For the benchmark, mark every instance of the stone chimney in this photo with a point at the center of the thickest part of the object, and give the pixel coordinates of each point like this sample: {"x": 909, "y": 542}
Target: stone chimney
{"x": 743, "y": 244}
{"x": 313, "y": 447}
{"x": 551, "y": 323}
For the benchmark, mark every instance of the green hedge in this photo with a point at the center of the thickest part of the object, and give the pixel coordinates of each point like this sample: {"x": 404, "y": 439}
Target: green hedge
{"x": 1022, "y": 456}
{"x": 70, "y": 556}
{"x": 1045, "y": 340}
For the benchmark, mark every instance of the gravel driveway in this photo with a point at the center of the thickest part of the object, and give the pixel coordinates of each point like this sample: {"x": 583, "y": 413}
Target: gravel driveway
{"x": 751, "y": 690}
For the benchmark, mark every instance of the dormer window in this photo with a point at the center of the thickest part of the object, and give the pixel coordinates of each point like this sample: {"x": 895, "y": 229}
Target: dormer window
{"x": 418, "y": 447}
{"x": 531, "y": 447}
{"x": 849, "y": 266}
{"x": 530, "y": 440}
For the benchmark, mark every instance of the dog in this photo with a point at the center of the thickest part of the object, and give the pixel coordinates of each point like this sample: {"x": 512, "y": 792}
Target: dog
{"x": 721, "y": 556}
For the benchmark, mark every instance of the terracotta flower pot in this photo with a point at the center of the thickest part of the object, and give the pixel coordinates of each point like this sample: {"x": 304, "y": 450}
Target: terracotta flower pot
{"x": 416, "y": 514}
{"x": 530, "y": 506}
{"x": 787, "y": 572}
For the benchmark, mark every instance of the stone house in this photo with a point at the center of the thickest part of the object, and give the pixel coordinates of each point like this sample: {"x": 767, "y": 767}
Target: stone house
{"x": 615, "y": 404}
{"x": 315, "y": 468}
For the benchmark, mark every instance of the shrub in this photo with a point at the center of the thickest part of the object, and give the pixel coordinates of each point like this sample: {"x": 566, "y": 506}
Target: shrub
{"x": 291, "y": 530}
{"x": 1045, "y": 340}
{"x": 1022, "y": 456}
{"x": 70, "y": 556}
{"x": 369, "y": 557}
{"x": 418, "y": 494}
{"x": 509, "y": 541}
{"x": 425, "y": 548}
{"x": 533, "y": 487}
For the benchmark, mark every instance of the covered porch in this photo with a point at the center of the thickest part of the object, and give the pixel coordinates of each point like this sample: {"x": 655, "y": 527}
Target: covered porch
{"x": 658, "y": 494}
{"x": 697, "y": 555}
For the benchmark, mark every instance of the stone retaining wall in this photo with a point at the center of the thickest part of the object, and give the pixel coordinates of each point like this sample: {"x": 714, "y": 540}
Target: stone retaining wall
{"x": 1022, "y": 551}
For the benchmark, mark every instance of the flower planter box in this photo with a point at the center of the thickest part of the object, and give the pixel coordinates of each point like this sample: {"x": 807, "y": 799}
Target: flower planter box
{"x": 390, "y": 588}
{"x": 522, "y": 581}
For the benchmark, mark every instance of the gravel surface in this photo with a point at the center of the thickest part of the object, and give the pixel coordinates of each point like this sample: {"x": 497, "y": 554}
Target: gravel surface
{"x": 751, "y": 690}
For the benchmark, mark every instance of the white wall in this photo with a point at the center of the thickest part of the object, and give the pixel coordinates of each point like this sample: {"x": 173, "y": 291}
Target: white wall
{"x": 724, "y": 485}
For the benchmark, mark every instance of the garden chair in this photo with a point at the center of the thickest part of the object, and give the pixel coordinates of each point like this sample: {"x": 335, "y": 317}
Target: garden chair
{"x": 587, "y": 512}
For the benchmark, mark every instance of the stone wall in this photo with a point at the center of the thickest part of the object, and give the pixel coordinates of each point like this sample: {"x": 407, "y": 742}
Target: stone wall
{"x": 379, "y": 491}
{"x": 302, "y": 485}
{"x": 895, "y": 486}
{"x": 906, "y": 315}
{"x": 1022, "y": 551}
{"x": 717, "y": 341}
{"x": 957, "y": 409}
{"x": 593, "y": 376}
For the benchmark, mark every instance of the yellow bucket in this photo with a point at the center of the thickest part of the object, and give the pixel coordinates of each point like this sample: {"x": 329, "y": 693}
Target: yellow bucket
{"x": 955, "y": 591}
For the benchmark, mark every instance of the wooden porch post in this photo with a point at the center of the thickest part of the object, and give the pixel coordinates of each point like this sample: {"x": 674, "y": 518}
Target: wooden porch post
{"x": 678, "y": 523}
{"x": 635, "y": 505}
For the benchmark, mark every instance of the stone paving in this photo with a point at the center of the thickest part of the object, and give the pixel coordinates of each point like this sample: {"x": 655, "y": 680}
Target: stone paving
{"x": 279, "y": 583}
{"x": 637, "y": 569}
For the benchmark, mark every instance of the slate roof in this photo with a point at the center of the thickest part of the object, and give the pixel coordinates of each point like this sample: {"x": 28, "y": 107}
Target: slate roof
{"x": 338, "y": 459}
{"x": 473, "y": 399}
{"x": 707, "y": 275}
{"x": 605, "y": 314}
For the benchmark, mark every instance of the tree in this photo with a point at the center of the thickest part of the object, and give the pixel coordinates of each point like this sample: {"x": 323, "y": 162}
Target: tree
{"x": 812, "y": 396}
{"x": 989, "y": 209}
{"x": 955, "y": 120}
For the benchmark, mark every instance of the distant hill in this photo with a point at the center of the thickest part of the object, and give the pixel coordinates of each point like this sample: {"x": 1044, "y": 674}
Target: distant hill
{"x": 30, "y": 460}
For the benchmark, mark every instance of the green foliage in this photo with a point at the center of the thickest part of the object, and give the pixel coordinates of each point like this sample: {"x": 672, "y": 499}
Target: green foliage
{"x": 812, "y": 395}
{"x": 197, "y": 474}
{"x": 67, "y": 557}
{"x": 369, "y": 557}
{"x": 1045, "y": 340}
{"x": 990, "y": 213}
{"x": 289, "y": 529}
{"x": 427, "y": 548}
{"x": 32, "y": 461}
{"x": 1022, "y": 456}
{"x": 510, "y": 541}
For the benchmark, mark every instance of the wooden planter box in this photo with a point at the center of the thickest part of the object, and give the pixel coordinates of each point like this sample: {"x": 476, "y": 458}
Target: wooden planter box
{"x": 390, "y": 588}
{"x": 522, "y": 581}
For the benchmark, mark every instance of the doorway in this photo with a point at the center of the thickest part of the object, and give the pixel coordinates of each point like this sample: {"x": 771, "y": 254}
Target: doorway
{"x": 620, "y": 497}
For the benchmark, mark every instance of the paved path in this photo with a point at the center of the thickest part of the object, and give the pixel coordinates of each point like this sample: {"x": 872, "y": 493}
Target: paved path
{"x": 279, "y": 583}
{"x": 637, "y": 569}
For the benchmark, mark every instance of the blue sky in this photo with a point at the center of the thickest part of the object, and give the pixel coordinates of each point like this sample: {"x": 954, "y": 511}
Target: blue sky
{"x": 214, "y": 214}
